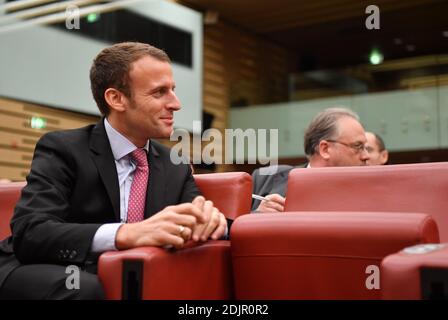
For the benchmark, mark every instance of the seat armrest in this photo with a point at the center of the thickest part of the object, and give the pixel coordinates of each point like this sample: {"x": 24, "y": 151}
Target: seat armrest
{"x": 418, "y": 272}
{"x": 199, "y": 271}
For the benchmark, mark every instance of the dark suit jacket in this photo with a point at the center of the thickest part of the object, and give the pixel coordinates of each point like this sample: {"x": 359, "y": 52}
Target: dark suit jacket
{"x": 272, "y": 183}
{"x": 72, "y": 189}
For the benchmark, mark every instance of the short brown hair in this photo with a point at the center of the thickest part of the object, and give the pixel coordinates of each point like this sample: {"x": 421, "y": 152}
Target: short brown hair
{"x": 111, "y": 67}
{"x": 324, "y": 126}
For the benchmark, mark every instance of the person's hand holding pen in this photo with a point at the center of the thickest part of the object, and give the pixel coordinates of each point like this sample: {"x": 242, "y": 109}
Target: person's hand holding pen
{"x": 271, "y": 203}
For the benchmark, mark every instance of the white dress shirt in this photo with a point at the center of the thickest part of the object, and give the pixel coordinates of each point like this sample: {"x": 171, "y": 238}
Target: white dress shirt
{"x": 104, "y": 239}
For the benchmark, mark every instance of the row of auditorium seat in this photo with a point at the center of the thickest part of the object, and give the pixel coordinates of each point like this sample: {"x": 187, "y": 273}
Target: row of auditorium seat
{"x": 346, "y": 233}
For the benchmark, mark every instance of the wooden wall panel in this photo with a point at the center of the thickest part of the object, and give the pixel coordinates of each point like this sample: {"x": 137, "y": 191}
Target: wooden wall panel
{"x": 215, "y": 90}
{"x": 18, "y": 139}
{"x": 13, "y": 173}
{"x": 241, "y": 68}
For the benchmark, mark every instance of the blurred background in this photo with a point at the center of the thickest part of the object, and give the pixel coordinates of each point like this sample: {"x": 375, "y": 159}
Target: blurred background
{"x": 261, "y": 64}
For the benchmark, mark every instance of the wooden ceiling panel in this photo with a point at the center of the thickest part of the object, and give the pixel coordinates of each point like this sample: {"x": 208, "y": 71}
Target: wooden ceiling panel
{"x": 263, "y": 16}
{"x": 332, "y": 33}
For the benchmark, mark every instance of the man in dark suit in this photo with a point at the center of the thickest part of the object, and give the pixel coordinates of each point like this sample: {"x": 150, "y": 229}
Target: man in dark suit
{"x": 106, "y": 186}
{"x": 335, "y": 137}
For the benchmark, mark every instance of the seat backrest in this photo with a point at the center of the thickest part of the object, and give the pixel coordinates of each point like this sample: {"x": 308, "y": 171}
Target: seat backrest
{"x": 231, "y": 192}
{"x": 392, "y": 188}
{"x": 9, "y": 194}
{"x": 320, "y": 255}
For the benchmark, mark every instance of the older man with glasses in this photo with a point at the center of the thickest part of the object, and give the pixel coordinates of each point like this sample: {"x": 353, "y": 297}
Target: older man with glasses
{"x": 335, "y": 137}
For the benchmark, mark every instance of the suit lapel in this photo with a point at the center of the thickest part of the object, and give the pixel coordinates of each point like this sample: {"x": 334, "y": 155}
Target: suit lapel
{"x": 105, "y": 163}
{"x": 280, "y": 182}
{"x": 156, "y": 189}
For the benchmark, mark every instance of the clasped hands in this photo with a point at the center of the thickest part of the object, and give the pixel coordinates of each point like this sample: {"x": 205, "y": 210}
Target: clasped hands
{"x": 174, "y": 226}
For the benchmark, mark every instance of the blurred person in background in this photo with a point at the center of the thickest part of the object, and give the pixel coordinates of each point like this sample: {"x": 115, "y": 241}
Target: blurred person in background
{"x": 378, "y": 154}
{"x": 334, "y": 138}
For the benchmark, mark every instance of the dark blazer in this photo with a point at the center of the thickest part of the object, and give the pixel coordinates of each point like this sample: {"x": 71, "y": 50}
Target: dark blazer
{"x": 271, "y": 183}
{"x": 72, "y": 189}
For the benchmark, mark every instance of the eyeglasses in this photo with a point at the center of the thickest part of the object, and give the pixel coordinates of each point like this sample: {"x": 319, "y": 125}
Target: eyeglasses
{"x": 358, "y": 147}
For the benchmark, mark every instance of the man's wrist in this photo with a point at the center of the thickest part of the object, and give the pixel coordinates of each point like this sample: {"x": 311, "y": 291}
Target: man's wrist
{"x": 104, "y": 238}
{"x": 121, "y": 241}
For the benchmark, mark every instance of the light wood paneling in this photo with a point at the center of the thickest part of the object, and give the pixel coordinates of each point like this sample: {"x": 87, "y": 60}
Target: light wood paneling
{"x": 18, "y": 139}
{"x": 13, "y": 173}
{"x": 215, "y": 91}
{"x": 241, "y": 66}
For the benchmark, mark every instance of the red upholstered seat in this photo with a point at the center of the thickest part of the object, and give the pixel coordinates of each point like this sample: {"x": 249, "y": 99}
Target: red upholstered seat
{"x": 9, "y": 194}
{"x": 198, "y": 272}
{"x": 393, "y": 188}
{"x": 402, "y": 273}
{"x": 319, "y": 255}
{"x": 231, "y": 192}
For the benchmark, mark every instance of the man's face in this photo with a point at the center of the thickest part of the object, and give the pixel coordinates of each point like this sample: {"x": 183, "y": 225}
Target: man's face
{"x": 376, "y": 156}
{"x": 348, "y": 148}
{"x": 150, "y": 109}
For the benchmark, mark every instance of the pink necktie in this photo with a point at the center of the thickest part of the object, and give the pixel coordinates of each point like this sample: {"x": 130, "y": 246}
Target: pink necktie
{"x": 137, "y": 195}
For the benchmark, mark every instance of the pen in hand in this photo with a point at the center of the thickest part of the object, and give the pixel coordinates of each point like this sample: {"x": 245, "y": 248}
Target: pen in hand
{"x": 257, "y": 197}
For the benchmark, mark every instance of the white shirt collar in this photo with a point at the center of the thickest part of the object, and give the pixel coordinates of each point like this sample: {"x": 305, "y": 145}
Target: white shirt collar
{"x": 120, "y": 145}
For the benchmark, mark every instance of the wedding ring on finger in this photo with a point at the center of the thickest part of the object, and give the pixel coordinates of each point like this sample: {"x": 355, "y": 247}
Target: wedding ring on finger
{"x": 181, "y": 229}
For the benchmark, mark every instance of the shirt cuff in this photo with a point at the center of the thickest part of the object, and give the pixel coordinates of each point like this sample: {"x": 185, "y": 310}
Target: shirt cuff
{"x": 104, "y": 239}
